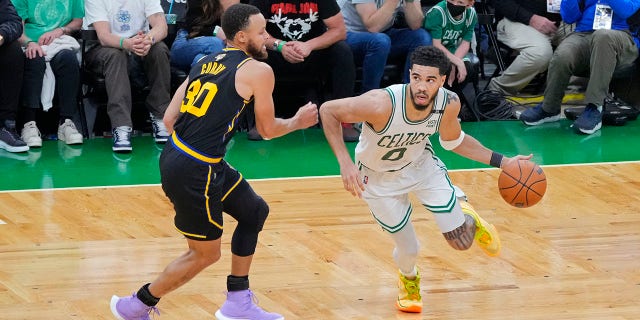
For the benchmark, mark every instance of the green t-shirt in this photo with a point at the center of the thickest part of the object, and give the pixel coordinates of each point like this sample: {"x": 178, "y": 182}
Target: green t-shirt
{"x": 441, "y": 25}
{"x": 42, "y": 16}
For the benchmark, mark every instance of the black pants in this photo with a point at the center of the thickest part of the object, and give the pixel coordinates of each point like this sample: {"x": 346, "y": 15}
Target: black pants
{"x": 66, "y": 69}
{"x": 11, "y": 73}
{"x": 336, "y": 60}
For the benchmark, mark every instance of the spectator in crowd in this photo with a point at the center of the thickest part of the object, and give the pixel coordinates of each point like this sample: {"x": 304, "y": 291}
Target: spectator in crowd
{"x": 130, "y": 34}
{"x": 530, "y": 27}
{"x": 308, "y": 38}
{"x": 51, "y": 64}
{"x": 199, "y": 32}
{"x": 451, "y": 24}
{"x": 601, "y": 43}
{"x": 373, "y": 39}
{"x": 11, "y": 71}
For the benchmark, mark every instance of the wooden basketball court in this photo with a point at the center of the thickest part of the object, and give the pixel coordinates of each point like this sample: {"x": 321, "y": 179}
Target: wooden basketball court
{"x": 575, "y": 255}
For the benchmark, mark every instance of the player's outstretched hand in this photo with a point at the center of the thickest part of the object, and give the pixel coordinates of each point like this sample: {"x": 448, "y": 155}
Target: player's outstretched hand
{"x": 507, "y": 160}
{"x": 307, "y": 115}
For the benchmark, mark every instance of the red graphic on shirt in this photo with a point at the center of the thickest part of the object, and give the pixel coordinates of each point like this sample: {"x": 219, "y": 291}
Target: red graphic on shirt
{"x": 286, "y": 8}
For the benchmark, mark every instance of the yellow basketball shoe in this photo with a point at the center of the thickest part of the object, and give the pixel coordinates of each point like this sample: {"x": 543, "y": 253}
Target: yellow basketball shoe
{"x": 486, "y": 234}
{"x": 409, "y": 299}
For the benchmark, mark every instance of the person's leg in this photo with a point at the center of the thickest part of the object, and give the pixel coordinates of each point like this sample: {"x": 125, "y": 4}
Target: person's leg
{"x": 372, "y": 49}
{"x": 570, "y": 58}
{"x": 31, "y": 91}
{"x": 185, "y": 52}
{"x": 112, "y": 63}
{"x": 66, "y": 69}
{"x": 534, "y": 53}
{"x": 342, "y": 70}
{"x": 158, "y": 72}
{"x": 241, "y": 202}
{"x": 403, "y": 42}
{"x": 11, "y": 76}
{"x": 609, "y": 49}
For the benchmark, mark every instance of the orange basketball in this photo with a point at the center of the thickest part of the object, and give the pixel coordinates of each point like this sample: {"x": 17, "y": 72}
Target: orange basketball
{"x": 522, "y": 183}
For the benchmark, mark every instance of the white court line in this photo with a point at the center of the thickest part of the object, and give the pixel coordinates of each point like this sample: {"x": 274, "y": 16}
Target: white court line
{"x": 312, "y": 177}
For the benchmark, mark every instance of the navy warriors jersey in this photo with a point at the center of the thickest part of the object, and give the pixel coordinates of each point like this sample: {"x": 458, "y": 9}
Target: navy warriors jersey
{"x": 401, "y": 141}
{"x": 210, "y": 110}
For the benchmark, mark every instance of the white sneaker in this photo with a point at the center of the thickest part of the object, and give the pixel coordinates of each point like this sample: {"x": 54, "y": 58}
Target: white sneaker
{"x": 31, "y": 134}
{"x": 68, "y": 133}
{"x": 160, "y": 132}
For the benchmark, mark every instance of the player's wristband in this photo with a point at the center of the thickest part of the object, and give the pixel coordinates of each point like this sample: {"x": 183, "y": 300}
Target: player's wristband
{"x": 496, "y": 159}
{"x": 121, "y": 42}
{"x": 280, "y": 45}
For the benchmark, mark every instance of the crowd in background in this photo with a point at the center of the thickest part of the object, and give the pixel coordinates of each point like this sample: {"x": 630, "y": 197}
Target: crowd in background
{"x": 345, "y": 43}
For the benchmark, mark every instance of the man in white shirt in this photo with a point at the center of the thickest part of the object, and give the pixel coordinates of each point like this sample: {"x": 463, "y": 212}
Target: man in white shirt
{"x": 130, "y": 34}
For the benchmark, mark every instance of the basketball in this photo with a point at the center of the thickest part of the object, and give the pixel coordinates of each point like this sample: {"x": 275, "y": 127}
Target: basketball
{"x": 522, "y": 183}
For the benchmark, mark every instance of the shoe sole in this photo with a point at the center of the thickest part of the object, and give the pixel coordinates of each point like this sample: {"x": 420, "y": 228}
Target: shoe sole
{"x": 543, "y": 120}
{"x": 161, "y": 140}
{"x": 220, "y": 316}
{"x": 587, "y": 131}
{"x": 411, "y": 309}
{"x": 13, "y": 149}
{"x": 73, "y": 141}
{"x": 114, "y": 302}
{"x": 35, "y": 144}
{"x": 122, "y": 149}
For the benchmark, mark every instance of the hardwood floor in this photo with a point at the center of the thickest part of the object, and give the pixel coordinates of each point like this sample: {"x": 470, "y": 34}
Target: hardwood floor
{"x": 575, "y": 255}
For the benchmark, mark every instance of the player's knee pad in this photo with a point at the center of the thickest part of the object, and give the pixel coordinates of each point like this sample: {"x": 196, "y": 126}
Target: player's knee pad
{"x": 245, "y": 237}
{"x": 461, "y": 238}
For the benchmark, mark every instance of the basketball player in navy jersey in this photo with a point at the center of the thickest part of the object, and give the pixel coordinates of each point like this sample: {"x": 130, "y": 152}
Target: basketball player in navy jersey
{"x": 394, "y": 157}
{"x": 203, "y": 116}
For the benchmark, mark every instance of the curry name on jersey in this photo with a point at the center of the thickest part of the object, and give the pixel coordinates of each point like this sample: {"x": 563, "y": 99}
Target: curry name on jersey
{"x": 211, "y": 108}
{"x": 402, "y": 140}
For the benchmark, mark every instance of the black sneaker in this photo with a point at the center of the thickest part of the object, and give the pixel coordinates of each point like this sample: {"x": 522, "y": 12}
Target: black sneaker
{"x": 9, "y": 138}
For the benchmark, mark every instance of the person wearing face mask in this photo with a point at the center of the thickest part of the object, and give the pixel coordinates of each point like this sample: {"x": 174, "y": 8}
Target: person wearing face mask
{"x": 451, "y": 24}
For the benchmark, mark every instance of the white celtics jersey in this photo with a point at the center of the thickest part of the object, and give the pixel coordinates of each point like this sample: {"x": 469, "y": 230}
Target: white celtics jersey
{"x": 402, "y": 140}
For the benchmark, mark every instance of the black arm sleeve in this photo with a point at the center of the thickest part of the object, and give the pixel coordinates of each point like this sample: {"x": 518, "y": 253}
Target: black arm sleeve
{"x": 10, "y": 22}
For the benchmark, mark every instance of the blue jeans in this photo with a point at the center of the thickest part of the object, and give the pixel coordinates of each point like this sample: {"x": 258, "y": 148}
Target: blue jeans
{"x": 186, "y": 52}
{"x": 372, "y": 50}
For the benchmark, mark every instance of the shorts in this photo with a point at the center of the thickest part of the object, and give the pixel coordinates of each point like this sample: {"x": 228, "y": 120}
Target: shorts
{"x": 387, "y": 193}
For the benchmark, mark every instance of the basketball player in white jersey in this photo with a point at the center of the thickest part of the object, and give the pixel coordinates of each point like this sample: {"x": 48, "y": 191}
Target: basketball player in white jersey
{"x": 394, "y": 157}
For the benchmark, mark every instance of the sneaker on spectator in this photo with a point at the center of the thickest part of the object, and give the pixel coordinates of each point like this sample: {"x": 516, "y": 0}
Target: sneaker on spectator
{"x": 350, "y": 133}
{"x": 241, "y": 305}
{"x": 590, "y": 120}
{"x": 31, "y": 135}
{"x": 122, "y": 139}
{"x": 131, "y": 308}
{"x": 68, "y": 133}
{"x": 9, "y": 138}
{"x": 536, "y": 115}
{"x": 160, "y": 132}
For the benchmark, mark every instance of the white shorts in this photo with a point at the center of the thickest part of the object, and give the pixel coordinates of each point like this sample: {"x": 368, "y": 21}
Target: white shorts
{"x": 387, "y": 194}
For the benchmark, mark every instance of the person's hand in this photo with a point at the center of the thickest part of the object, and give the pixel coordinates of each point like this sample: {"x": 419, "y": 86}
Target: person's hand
{"x": 34, "y": 50}
{"x": 506, "y": 160}
{"x": 302, "y": 48}
{"x": 542, "y": 24}
{"x": 140, "y": 44}
{"x": 351, "y": 179}
{"x": 48, "y": 37}
{"x": 307, "y": 115}
{"x": 290, "y": 54}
